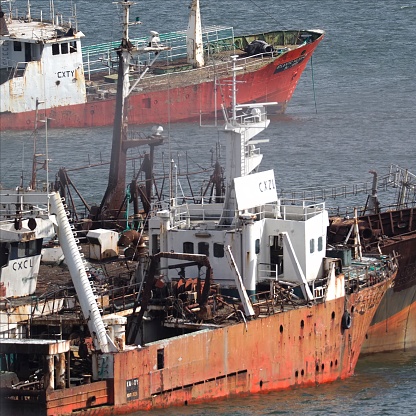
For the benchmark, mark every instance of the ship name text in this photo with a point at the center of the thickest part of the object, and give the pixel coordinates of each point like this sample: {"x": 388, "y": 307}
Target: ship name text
{"x": 22, "y": 264}
{"x": 288, "y": 65}
{"x": 267, "y": 185}
{"x": 66, "y": 74}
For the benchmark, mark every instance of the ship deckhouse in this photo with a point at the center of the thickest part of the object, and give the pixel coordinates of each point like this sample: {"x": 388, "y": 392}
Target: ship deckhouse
{"x": 249, "y": 232}
{"x": 21, "y": 238}
{"x": 40, "y": 62}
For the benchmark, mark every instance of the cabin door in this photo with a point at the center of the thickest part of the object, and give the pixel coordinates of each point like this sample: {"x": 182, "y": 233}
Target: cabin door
{"x": 28, "y": 52}
{"x": 276, "y": 255}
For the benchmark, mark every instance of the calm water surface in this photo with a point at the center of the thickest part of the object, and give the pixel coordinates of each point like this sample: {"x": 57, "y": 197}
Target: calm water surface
{"x": 354, "y": 110}
{"x": 383, "y": 384}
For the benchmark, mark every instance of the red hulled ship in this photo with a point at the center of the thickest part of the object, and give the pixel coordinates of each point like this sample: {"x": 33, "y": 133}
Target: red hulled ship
{"x": 177, "y": 76}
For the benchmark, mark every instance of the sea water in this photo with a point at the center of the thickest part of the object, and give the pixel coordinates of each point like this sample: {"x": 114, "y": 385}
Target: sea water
{"x": 354, "y": 110}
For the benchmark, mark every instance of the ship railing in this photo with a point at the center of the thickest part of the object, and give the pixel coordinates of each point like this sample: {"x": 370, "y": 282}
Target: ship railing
{"x": 206, "y": 210}
{"x": 16, "y": 210}
{"x": 364, "y": 274}
{"x": 105, "y": 64}
{"x": 319, "y": 288}
{"x": 269, "y": 271}
{"x": 249, "y": 118}
{"x": 101, "y": 57}
{"x": 29, "y": 196}
{"x": 24, "y": 202}
{"x": 255, "y": 151}
{"x": 217, "y": 69}
{"x": 247, "y": 61}
{"x": 216, "y": 39}
{"x": 39, "y": 16}
{"x": 185, "y": 210}
{"x": 122, "y": 298}
{"x": 273, "y": 273}
{"x": 301, "y": 210}
{"x": 401, "y": 180}
{"x": 42, "y": 305}
{"x": 9, "y": 214}
{"x": 405, "y": 183}
{"x": 399, "y": 176}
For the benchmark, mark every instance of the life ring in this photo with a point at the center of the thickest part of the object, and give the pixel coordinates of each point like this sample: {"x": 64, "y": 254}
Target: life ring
{"x": 346, "y": 320}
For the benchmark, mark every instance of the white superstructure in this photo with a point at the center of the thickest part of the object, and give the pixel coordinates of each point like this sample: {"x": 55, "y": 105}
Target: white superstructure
{"x": 41, "y": 61}
{"x": 24, "y": 224}
{"x": 249, "y": 233}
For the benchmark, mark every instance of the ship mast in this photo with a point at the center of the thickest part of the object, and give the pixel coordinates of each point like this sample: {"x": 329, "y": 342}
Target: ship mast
{"x": 242, "y": 158}
{"x": 114, "y": 196}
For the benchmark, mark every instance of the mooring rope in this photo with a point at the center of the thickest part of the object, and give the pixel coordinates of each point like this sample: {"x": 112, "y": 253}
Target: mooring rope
{"x": 313, "y": 86}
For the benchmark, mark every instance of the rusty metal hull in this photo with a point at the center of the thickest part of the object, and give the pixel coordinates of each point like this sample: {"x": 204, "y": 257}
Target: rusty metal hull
{"x": 291, "y": 349}
{"x": 273, "y": 80}
{"x": 393, "y": 325}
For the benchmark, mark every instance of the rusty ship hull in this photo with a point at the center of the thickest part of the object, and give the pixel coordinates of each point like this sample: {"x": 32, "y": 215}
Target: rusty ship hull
{"x": 392, "y": 328}
{"x": 295, "y": 348}
{"x": 393, "y": 233}
{"x": 393, "y": 325}
{"x": 187, "y": 95}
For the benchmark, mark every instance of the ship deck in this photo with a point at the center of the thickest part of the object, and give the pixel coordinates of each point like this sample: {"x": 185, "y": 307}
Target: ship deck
{"x": 176, "y": 75}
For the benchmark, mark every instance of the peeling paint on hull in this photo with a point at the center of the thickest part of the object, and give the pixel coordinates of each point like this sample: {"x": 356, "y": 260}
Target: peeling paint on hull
{"x": 292, "y": 349}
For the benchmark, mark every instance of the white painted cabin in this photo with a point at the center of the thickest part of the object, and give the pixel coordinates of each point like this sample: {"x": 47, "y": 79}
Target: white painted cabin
{"x": 40, "y": 61}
